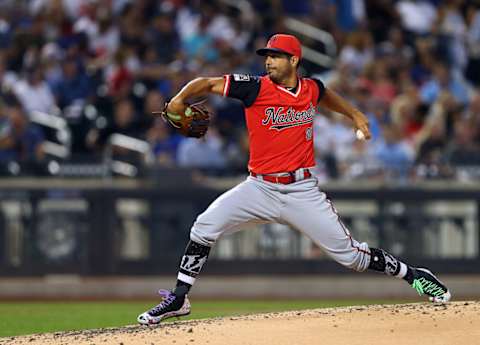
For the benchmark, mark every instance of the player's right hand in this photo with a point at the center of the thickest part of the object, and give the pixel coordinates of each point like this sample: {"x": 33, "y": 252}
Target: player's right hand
{"x": 361, "y": 123}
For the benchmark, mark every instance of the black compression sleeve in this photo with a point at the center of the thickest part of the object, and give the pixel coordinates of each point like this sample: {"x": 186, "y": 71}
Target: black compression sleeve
{"x": 243, "y": 87}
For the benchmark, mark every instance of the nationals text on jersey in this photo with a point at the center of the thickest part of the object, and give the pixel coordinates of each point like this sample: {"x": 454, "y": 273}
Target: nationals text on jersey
{"x": 279, "y": 120}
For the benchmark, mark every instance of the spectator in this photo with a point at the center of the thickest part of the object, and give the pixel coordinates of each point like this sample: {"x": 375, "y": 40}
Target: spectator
{"x": 163, "y": 37}
{"x": 33, "y": 92}
{"x": 396, "y": 48}
{"x": 379, "y": 81}
{"x": 463, "y": 151}
{"x": 200, "y": 46}
{"x": 453, "y": 31}
{"x": 360, "y": 162}
{"x": 381, "y": 16}
{"x": 417, "y": 17}
{"x": 443, "y": 80}
{"x": 74, "y": 85}
{"x": 421, "y": 70}
{"x": 206, "y": 153}
{"x": 394, "y": 153}
{"x": 103, "y": 36}
{"x": 378, "y": 115}
{"x": 124, "y": 122}
{"x": 358, "y": 52}
{"x": 406, "y": 115}
{"x": 350, "y": 14}
{"x": 153, "y": 102}
{"x": 343, "y": 137}
{"x": 218, "y": 26}
{"x": 164, "y": 143}
{"x": 51, "y": 57}
{"x": 119, "y": 77}
{"x": 20, "y": 141}
{"x": 430, "y": 151}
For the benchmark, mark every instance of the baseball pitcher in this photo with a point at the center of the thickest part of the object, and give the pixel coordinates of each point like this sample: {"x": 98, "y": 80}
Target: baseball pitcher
{"x": 279, "y": 111}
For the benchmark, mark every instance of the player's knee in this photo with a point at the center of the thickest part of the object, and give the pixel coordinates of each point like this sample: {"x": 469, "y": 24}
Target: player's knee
{"x": 207, "y": 228}
{"x": 359, "y": 258}
{"x": 355, "y": 265}
{"x": 201, "y": 236}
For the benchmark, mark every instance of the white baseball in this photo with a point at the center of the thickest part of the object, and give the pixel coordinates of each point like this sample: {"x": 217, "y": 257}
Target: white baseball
{"x": 360, "y": 135}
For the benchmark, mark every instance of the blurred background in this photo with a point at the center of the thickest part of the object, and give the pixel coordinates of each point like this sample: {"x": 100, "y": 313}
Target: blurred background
{"x": 97, "y": 196}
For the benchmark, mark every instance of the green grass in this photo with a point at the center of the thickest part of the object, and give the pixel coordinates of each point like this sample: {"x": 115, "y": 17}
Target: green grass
{"x": 38, "y": 317}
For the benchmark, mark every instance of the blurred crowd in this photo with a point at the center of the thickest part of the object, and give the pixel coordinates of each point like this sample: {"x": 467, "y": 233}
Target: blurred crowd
{"x": 103, "y": 67}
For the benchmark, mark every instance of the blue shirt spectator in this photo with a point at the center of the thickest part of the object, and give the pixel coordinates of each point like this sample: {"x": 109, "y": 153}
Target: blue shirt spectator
{"x": 443, "y": 80}
{"x": 20, "y": 140}
{"x": 164, "y": 144}
{"x": 74, "y": 84}
{"x": 201, "y": 45}
{"x": 349, "y": 13}
{"x": 204, "y": 153}
{"x": 394, "y": 154}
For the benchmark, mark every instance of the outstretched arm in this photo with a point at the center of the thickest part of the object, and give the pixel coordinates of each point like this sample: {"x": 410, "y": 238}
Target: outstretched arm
{"x": 332, "y": 101}
{"x": 196, "y": 88}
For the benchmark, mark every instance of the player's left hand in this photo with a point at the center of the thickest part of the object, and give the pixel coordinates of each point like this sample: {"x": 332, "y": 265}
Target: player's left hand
{"x": 193, "y": 121}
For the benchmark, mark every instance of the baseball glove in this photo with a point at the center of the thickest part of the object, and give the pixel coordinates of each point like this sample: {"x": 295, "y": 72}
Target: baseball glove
{"x": 193, "y": 123}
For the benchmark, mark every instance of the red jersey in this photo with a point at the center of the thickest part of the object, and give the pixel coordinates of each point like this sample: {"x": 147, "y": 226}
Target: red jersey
{"x": 279, "y": 121}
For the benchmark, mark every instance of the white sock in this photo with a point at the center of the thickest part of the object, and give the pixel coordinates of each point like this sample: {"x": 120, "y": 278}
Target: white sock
{"x": 403, "y": 270}
{"x": 185, "y": 278}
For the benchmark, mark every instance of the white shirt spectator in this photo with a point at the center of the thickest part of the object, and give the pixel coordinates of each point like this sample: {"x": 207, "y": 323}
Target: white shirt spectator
{"x": 323, "y": 135}
{"x": 220, "y": 28}
{"x": 99, "y": 42}
{"x": 35, "y": 97}
{"x": 106, "y": 42}
{"x": 417, "y": 16}
{"x": 332, "y": 136}
{"x": 358, "y": 10}
{"x": 86, "y": 25}
{"x": 355, "y": 58}
{"x": 343, "y": 137}
{"x": 186, "y": 23}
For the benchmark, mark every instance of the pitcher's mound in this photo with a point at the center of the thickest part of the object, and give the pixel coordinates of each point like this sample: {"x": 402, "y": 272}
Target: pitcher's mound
{"x": 419, "y": 323}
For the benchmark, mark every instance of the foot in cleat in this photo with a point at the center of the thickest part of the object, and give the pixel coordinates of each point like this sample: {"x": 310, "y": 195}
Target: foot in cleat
{"x": 174, "y": 304}
{"x": 425, "y": 282}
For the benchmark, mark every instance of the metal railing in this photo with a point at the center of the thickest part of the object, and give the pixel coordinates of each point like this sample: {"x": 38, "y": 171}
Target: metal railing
{"x": 62, "y": 148}
{"x": 325, "y": 60}
{"x": 124, "y": 142}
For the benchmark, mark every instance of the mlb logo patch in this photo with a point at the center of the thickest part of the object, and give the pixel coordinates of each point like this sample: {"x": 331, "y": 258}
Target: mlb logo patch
{"x": 241, "y": 77}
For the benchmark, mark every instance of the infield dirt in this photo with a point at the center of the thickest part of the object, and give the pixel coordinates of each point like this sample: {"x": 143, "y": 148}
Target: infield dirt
{"x": 419, "y": 323}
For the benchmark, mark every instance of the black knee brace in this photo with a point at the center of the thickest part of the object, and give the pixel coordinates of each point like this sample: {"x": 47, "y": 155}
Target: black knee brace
{"x": 195, "y": 256}
{"x": 383, "y": 262}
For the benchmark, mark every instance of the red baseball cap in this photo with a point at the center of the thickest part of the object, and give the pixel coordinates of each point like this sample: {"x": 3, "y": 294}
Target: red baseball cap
{"x": 282, "y": 43}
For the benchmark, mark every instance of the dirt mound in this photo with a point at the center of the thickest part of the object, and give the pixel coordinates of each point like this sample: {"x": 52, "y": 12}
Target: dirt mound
{"x": 420, "y": 323}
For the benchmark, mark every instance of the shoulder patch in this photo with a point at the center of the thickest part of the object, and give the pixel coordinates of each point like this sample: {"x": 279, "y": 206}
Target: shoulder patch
{"x": 241, "y": 77}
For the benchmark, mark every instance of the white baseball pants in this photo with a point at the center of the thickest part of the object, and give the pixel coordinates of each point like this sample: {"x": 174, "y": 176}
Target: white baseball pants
{"x": 301, "y": 205}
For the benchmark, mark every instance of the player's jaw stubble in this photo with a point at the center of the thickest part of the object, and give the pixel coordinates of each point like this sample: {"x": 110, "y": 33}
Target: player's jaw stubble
{"x": 280, "y": 75}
